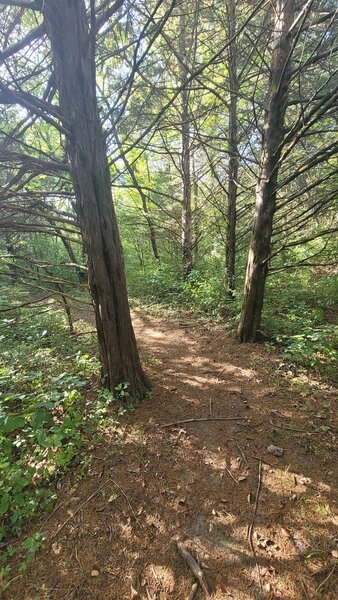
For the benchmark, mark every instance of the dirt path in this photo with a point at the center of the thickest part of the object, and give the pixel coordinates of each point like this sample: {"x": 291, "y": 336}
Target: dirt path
{"x": 149, "y": 486}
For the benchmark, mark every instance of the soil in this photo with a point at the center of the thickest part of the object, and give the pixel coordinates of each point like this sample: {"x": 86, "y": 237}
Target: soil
{"x": 259, "y": 526}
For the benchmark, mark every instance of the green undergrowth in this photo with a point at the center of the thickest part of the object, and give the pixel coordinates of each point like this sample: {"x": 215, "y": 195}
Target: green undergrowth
{"x": 298, "y": 319}
{"x": 49, "y": 405}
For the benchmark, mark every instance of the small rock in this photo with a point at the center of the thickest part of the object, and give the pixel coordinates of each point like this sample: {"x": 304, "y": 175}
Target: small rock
{"x": 95, "y": 573}
{"x": 334, "y": 553}
{"x": 275, "y": 450}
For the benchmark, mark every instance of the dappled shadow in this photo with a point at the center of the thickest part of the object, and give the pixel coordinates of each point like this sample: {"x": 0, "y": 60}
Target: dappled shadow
{"x": 149, "y": 486}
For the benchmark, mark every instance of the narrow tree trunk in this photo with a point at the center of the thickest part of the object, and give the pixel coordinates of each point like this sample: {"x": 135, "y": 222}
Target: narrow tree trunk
{"x": 67, "y": 309}
{"x": 146, "y": 214}
{"x": 196, "y": 216}
{"x": 233, "y": 153}
{"x": 187, "y": 263}
{"x": 260, "y": 248}
{"x": 74, "y": 64}
{"x": 81, "y": 275}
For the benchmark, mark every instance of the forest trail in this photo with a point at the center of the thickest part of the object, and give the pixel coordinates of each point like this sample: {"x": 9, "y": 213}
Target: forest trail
{"x": 113, "y": 532}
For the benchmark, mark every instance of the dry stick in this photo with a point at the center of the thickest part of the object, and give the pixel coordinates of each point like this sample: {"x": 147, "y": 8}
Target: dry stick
{"x": 265, "y": 462}
{"x": 79, "y": 508}
{"x": 321, "y": 586}
{"x": 110, "y": 480}
{"x": 210, "y": 407}
{"x": 193, "y": 566}
{"x": 242, "y": 453}
{"x": 231, "y": 475}
{"x": 250, "y": 531}
{"x": 53, "y": 513}
{"x": 126, "y": 497}
{"x": 203, "y": 419}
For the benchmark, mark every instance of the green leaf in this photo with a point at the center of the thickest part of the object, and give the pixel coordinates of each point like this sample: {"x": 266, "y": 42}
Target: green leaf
{"x": 12, "y": 423}
{"x": 39, "y": 418}
{"x": 4, "y": 504}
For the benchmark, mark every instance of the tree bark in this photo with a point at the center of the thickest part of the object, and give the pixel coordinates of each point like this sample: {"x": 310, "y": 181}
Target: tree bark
{"x": 187, "y": 262}
{"x": 230, "y": 256}
{"x": 260, "y": 247}
{"x": 73, "y": 50}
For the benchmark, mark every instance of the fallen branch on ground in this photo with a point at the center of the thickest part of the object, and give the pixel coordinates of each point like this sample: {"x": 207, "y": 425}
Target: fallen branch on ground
{"x": 252, "y": 524}
{"x": 203, "y": 419}
{"x": 194, "y": 567}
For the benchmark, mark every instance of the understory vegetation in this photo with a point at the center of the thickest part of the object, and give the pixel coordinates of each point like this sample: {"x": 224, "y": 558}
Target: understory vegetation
{"x": 300, "y": 310}
{"x": 50, "y": 405}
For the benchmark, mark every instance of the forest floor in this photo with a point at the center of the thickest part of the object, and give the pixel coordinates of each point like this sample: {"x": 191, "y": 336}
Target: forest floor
{"x": 260, "y": 526}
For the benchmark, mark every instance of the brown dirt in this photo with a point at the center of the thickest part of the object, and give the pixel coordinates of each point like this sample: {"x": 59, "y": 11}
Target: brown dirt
{"x": 152, "y": 486}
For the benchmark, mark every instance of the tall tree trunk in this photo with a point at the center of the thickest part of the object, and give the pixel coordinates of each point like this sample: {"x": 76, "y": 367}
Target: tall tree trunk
{"x": 230, "y": 256}
{"x": 187, "y": 262}
{"x": 196, "y": 216}
{"x": 73, "y": 50}
{"x": 146, "y": 214}
{"x": 260, "y": 248}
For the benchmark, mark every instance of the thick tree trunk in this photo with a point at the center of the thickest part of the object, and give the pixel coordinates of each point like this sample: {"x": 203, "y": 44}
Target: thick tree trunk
{"x": 260, "y": 248}
{"x": 187, "y": 261}
{"x": 74, "y": 64}
{"x": 230, "y": 257}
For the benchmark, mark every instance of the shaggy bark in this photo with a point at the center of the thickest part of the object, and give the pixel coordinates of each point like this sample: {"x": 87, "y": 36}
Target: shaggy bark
{"x": 73, "y": 57}
{"x": 260, "y": 247}
{"x": 185, "y": 159}
{"x": 233, "y": 153}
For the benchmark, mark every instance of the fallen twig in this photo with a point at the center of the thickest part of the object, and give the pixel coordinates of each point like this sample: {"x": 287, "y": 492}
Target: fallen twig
{"x": 194, "y": 567}
{"x": 242, "y": 453}
{"x": 126, "y": 497}
{"x": 210, "y": 407}
{"x": 79, "y": 508}
{"x": 252, "y": 524}
{"x": 203, "y": 419}
{"x": 292, "y": 428}
{"x": 110, "y": 480}
{"x": 231, "y": 475}
{"x": 322, "y": 585}
{"x": 265, "y": 462}
{"x": 53, "y": 513}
